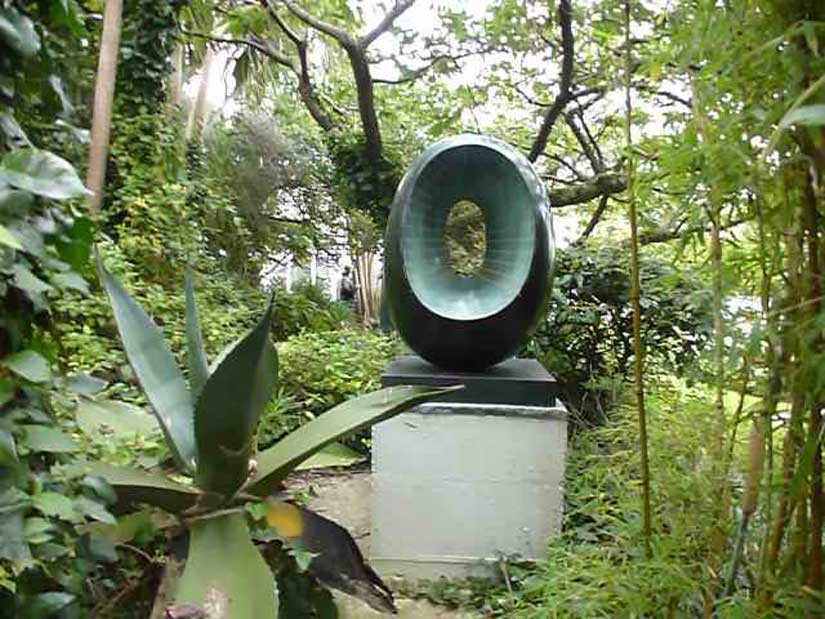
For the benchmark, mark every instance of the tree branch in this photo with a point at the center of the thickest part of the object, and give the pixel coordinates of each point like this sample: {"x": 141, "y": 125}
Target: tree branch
{"x": 594, "y": 219}
{"x": 289, "y": 32}
{"x": 566, "y": 23}
{"x": 665, "y": 235}
{"x": 310, "y": 20}
{"x": 600, "y": 185}
{"x": 584, "y": 141}
{"x": 385, "y": 23}
{"x": 250, "y": 41}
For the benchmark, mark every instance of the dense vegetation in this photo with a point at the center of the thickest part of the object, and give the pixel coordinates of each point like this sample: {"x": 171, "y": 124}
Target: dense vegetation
{"x": 683, "y": 146}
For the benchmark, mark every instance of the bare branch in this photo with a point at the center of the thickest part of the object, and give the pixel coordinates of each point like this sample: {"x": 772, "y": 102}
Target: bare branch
{"x": 563, "y": 97}
{"x": 584, "y": 141}
{"x": 594, "y": 219}
{"x": 671, "y": 234}
{"x": 608, "y": 183}
{"x": 249, "y": 41}
{"x": 289, "y": 32}
{"x": 385, "y": 23}
{"x": 310, "y": 20}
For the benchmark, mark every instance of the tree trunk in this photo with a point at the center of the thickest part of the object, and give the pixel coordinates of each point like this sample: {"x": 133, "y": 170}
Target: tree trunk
{"x": 198, "y": 111}
{"x": 104, "y": 95}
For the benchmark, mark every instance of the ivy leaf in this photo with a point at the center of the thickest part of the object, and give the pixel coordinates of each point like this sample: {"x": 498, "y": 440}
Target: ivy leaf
{"x": 28, "y": 364}
{"x": 94, "y": 510}
{"x": 84, "y": 384}
{"x": 47, "y": 439}
{"x": 8, "y": 239}
{"x": 8, "y": 450}
{"x": 27, "y": 281}
{"x": 46, "y": 604}
{"x": 42, "y": 173}
{"x": 55, "y": 505}
{"x": 13, "y": 546}
{"x": 17, "y": 31}
{"x": 70, "y": 280}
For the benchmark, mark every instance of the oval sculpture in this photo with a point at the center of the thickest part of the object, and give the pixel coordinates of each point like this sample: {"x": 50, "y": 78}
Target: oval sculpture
{"x": 471, "y": 322}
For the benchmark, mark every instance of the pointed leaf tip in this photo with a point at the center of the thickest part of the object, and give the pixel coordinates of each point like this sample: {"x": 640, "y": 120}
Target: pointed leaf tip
{"x": 155, "y": 367}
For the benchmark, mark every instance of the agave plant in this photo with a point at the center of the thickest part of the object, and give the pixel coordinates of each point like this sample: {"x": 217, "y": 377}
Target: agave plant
{"x": 210, "y": 427}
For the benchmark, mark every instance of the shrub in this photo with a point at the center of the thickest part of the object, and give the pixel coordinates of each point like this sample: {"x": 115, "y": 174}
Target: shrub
{"x": 320, "y": 370}
{"x": 586, "y": 339}
{"x": 307, "y": 308}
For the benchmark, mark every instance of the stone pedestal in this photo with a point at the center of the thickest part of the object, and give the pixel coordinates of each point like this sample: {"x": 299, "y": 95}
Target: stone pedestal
{"x": 459, "y": 484}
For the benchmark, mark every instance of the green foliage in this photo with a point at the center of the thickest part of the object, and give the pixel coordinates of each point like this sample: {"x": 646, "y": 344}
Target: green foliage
{"x": 307, "y": 308}
{"x": 586, "y": 338}
{"x": 323, "y": 369}
{"x": 361, "y": 184}
{"x": 147, "y": 38}
{"x": 596, "y": 568}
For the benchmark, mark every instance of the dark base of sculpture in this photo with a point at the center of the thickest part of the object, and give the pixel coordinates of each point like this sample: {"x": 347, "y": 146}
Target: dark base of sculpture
{"x": 458, "y": 484}
{"x": 520, "y": 382}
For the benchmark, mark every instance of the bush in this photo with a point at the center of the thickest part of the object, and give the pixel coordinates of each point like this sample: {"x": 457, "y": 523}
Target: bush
{"x": 586, "y": 339}
{"x": 320, "y": 370}
{"x": 307, "y": 308}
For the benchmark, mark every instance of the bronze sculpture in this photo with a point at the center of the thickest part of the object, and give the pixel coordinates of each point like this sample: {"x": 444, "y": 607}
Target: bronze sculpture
{"x": 471, "y": 322}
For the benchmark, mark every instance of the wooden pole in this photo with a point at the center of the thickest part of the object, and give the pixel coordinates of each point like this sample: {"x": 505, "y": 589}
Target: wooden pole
{"x": 104, "y": 95}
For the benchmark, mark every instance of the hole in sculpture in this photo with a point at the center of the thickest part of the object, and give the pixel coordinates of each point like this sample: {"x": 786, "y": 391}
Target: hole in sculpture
{"x": 465, "y": 238}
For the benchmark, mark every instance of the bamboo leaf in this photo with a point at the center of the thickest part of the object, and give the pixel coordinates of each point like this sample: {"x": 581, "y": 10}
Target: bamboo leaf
{"x": 224, "y": 572}
{"x": 135, "y": 486}
{"x": 156, "y": 369}
{"x": 275, "y": 463}
{"x": 198, "y": 367}
{"x": 229, "y": 407}
{"x": 807, "y": 115}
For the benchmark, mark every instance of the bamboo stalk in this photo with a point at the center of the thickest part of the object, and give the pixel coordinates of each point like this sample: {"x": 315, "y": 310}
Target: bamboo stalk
{"x": 638, "y": 351}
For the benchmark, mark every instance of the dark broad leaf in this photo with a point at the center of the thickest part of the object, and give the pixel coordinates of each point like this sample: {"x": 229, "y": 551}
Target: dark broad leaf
{"x": 157, "y": 371}
{"x": 97, "y": 548}
{"x": 8, "y": 450}
{"x": 13, "y": 546}
{"x": 17, "y": 32}
{"x": 55, "y": 505}
{"x": 46, "y": 604}
{"x": 27, "y": 281}
{"x": 198, "y": 367}
{"x": 229, "y": 407}
{"x": 15, "y": 136}
{"x": 28, "y": 364}
{"x": 84, "y": 384}
{"x": 70, "y": 280}
{"x": 47, "y": 439}
{"x": 275, "y": 463}
{"x": 100, "y": 487}
{"x": 135, "y": 486}
{"x": 110, "y": 417}
{"x": 6, "y": 390}
{"x": 15, "y": 201}
{"x": 225, "y": 570}
{"x": 335, "y": 560}
{"x": 93, "y": 510}
{"x": 42, "y": 173}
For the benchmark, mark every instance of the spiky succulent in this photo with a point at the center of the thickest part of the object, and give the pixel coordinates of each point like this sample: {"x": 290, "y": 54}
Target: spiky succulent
{"x": 209, "y": 425}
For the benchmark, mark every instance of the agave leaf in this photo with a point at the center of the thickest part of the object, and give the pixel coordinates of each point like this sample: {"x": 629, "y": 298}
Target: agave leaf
{"x": 335, "y": 560}
{"x": 224, "y": 353}
{"x": 135, "y": 486}
{"x": 275, "y": 463}
{"x": 229, "y": 406}
{"x": 225, "y": 574}
{"x": 156, "y": 369}
{"x": 198, "y": 367}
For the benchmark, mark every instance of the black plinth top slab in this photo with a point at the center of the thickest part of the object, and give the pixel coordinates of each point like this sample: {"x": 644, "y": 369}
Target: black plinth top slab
{"x": 518, "y": 382}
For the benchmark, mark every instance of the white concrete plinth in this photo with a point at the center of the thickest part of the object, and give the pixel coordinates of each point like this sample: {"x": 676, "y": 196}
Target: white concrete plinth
{"x": 458, "y": 486}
